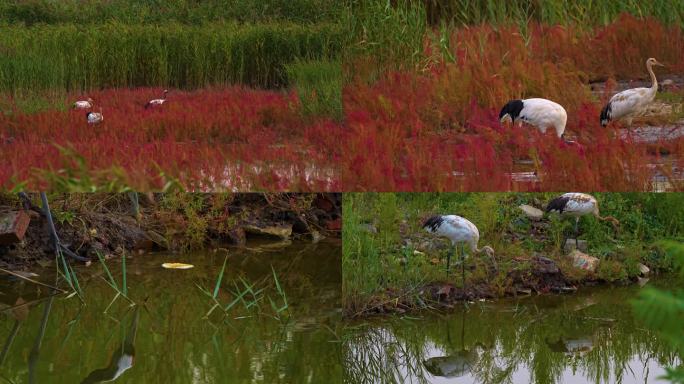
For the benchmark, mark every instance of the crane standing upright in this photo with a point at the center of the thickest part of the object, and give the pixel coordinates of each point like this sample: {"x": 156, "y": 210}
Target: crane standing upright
{"x": 460, "y": 231}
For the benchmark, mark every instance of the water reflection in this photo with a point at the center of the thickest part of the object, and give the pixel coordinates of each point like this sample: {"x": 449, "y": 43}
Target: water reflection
{"x": 168, "y": 339}
{"x": 123, "y": 356}
{"x": 590, "y": 337}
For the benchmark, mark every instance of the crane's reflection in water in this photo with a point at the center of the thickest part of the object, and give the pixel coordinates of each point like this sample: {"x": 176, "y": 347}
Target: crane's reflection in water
{"x": 588, "y": 337}
{"x": 122, "y": 358}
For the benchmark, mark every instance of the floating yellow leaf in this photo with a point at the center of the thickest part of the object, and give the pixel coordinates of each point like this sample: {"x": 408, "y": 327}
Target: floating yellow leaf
{"x": 177, "y": 266}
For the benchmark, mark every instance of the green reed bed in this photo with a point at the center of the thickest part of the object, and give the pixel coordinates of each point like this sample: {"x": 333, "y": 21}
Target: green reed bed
{"x": 580, "y": 12}
{"x": 156, "y": 11}
{"x": 71, "y": 57}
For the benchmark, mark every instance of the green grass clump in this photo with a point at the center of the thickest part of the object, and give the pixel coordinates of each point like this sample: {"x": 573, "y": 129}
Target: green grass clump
{"x": 319, "y": 86}
{"x": 70, "y": 57}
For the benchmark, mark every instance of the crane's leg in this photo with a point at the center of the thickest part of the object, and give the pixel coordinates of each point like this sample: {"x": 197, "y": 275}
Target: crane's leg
{"x": 576, "y": 233}
{"x": 453, "y": 249}
{"x": 463, "y": 267}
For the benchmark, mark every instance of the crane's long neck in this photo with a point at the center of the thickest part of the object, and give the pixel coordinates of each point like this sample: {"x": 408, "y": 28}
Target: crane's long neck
{"x": 654, "y": 81}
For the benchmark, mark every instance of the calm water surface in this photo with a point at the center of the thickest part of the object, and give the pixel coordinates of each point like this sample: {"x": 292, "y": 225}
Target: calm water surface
{"x": 166, "y": 337}
{"x": 588, "y": 337}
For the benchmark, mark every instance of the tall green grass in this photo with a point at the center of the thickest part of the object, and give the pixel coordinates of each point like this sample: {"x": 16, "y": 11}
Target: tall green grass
{"x": 70, "y": 57}
{"x": 319, "y": 86}
{"x": 580, "y": 12}
{"x": 157, "y": 11}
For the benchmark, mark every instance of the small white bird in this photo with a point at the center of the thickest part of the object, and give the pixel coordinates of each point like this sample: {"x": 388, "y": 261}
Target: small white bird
{"x": 94, "y": 117}
{"x": 541, "y": 113}
{"x": 628, "y": 103}
{"x": 83, "y": 104}
{"x": 459, "y": 231}
{"x": 577, "y": 205}
{"x": 157, "y": 102}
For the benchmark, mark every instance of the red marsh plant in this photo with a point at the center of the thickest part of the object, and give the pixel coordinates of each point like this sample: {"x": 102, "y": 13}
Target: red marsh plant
{"x": 437, "y": 128}
{"x": 232, "y": 138}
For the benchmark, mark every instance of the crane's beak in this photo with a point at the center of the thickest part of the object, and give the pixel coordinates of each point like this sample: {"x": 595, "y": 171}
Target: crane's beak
{"x": 658, "y": 63}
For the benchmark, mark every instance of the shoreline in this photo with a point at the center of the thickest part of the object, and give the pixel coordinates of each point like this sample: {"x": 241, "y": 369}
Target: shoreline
{"x": 168, "y": 223}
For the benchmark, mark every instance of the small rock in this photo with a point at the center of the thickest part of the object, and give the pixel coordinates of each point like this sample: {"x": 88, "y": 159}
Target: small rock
{"x": 644, "y": 270}
{"x": 523, "y": 291}
{"x": 157, "y": 239}
{"x": 583, "y": 261}
{"x": 642, "y": 281}
{"x": 282, "y": 231}
{"x": 545, "y": 265}
{"x": 531, "y": 212}
{"x": 13, "y": 227}
{"x": 570, "y": 245}
{"x": 119, "y": 250}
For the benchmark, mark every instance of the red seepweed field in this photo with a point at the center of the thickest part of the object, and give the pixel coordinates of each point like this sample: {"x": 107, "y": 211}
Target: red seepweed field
{"x": 428, "y": 126}
{"x": 223, "y": 139}
{"x": 435, "y": 126}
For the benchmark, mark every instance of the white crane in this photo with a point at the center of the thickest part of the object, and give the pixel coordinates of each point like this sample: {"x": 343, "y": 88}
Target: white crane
{"x": 628, "y": 103}
{"x": 459, "y": 231}
{"x": 157, "y": 102}
{"x": 576, "y": 205}
{"x": 541, "y": 113}
{"x": 94, "y": 117}
{"x": 83, "y": 104}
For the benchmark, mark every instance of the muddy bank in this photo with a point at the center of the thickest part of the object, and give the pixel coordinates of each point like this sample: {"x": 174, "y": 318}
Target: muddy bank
{"x": 89, "y": 224}
{"x": 536, "y": 276}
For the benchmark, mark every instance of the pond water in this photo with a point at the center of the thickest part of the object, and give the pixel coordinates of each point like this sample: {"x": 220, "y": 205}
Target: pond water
{"x": 588, "y": 337}
{"x": 166, "y": 337}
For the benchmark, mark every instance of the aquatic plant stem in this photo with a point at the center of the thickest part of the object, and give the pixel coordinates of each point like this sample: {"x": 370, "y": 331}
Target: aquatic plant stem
{"x": 53, "y": 232}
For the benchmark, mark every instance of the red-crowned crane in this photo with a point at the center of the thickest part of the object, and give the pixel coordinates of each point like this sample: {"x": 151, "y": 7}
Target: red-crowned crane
{"x": 459, "y": 231}
{"x": 157, "y": 102}
{"x": 577, "y": 205}
{"x": 94, "y": 117}
{"x": 83, "y": 104}
{"x": 541, "y": 113}
{"x": 630, "y": 102}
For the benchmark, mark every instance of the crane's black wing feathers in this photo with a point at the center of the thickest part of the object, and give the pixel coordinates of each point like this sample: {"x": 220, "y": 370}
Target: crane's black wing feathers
{"x": 558, "y": 204}
{"x": 605, "y": 114}
{"x": 512, "y": 108}
{"x": 433, "y": 223}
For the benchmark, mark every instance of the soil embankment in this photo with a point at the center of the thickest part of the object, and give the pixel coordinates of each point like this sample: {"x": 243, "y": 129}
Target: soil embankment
{"x": 89, "y": 224}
